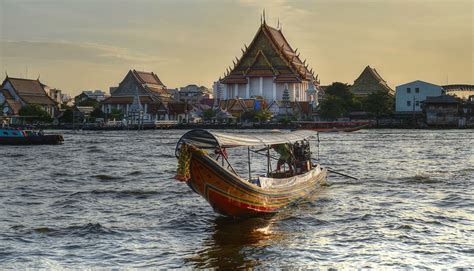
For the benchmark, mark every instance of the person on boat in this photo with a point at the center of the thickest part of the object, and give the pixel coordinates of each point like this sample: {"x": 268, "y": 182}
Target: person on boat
{"x": 284, "y": 150}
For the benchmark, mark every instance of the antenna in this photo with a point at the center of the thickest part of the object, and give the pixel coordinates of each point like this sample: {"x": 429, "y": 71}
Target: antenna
{"x": 264, "y": 16}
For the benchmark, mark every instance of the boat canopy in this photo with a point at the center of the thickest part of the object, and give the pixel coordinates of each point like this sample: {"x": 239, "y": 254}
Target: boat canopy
{"x": 208, "y": 139}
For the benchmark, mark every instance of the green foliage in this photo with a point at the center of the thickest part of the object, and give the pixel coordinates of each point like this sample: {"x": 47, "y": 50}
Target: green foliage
{"x": 67, "y": 116}
{"x": 358, "y": 104}
{"x": 248, "y": 116}
{"x": 34, "y": 112}
{"x": 342, "y": 91}
{"x": 116, "y": 114}
{"x": 88, "y": 102}
{"x": 97, "y": 113}
{"x": 379, "y": 103}
{"x": 208, "y": 114}
{"x": 263, "y": 115}
{"x": 286, "y": 119}
{"x": 332, "y": 107}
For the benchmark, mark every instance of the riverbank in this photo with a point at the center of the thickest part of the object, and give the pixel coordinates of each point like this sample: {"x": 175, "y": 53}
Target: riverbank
{"x": 255, "y": 126}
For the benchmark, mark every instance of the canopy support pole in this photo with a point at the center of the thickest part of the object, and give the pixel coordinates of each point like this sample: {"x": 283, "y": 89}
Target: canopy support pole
{"x": 228, "y": 164}
{"x": 268, "y": 162}
{"x": 318, "y": 146}
{"x": 250, "y": 170}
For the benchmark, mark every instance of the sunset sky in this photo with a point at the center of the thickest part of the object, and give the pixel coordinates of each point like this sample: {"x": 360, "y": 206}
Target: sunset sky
{"x": 83, "y": 45}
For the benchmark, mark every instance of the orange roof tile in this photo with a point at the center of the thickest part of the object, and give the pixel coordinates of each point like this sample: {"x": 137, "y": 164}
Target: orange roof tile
{"x": 147, "y": 77}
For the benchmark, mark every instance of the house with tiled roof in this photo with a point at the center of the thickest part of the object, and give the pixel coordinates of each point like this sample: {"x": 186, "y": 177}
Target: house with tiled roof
{"x": 19, "y": 92}
{"x": 146, "y": 89}
{"x": 299, "y": 108}
{"x": 268, "y": 66}
{"x": 238, "y": 106}
{"x": 370, "y": 81}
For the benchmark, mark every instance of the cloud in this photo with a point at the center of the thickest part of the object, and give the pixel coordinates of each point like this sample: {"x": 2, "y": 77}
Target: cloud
{"x": 65, "y": 51}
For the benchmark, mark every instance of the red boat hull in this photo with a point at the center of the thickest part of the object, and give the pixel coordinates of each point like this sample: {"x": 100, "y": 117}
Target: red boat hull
{"x": 232, "y": 196}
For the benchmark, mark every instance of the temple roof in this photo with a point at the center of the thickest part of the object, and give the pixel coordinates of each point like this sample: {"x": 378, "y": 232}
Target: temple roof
{"x": 459, "y": 87}
{"x": 29, "y": 90}
{"x": 147, "y": 78}
{"x": 142, "y": 84}
{"x": 10, "y": 101}
{"x": 370, "y": 81}
{"x": 269, "y": 55}
{"x": 128, "y": 100}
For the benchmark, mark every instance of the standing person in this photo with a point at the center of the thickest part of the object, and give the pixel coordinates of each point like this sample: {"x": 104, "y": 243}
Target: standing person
{"x": 284, "y": 150}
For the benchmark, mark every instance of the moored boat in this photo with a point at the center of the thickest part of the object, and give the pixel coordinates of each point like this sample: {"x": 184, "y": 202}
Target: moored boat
{"x": 333, "y": 126}
{"x": 204, "y": 166}
{"x": 11, "y": 136}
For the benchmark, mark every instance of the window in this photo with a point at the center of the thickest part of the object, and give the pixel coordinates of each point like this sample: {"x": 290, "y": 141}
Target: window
{"x": 417, "y": 103}
{"x": 5, "y": 132}
{"x": 417, "y": 90}
{"x": 15, "y": 133}
{"x": 408, "y": 90}
{"x": 408, "y": 103}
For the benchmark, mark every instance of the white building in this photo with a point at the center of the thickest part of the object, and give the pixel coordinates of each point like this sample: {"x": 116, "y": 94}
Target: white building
{"x": 409, "y": 96}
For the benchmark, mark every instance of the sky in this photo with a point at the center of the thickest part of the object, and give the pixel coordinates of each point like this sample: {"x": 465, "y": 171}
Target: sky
{"x": 91, "y": 44}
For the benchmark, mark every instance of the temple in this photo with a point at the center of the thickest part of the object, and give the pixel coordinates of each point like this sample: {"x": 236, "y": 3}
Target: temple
{"x": 140, "y": 92}
{"x": 18, "y": 92}
{"x": 370, "y": 81}
{"x": 267, "y": 67}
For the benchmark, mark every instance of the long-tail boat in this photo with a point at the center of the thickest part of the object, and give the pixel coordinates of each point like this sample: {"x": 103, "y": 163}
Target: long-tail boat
{"x": 204, "y": 166}
{"x": 332, "y": 126}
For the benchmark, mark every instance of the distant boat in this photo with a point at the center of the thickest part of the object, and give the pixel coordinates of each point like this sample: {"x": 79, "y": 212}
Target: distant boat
{"x": 332, "y": 126}
{"x": 11, "y": 136}
{"x": 204, "y": 166}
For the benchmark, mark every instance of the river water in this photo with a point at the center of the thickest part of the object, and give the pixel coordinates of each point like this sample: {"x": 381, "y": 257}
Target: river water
{"x": 108, "y": 199}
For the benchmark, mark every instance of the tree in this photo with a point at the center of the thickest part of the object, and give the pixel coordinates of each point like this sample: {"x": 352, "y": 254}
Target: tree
{"x": 379, "y": 103}
{"x": 263, "y": 115}
{"x": 342, "y": 91}
{"x": 34, "y": 112}
{"x": 248, "y": 116}
{"x": 332, "y": 107}
{"x": 117, "y": 114}
{"x": 208, "y": 114}
{"x": 67, "y": 116}
{"x": 97, "y": 113}
{"x": 87, "y": 102}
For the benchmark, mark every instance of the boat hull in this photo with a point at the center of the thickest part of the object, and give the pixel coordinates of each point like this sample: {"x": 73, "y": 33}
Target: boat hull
{"x": 232, "y": 196}
{"x": 33, "y": 140}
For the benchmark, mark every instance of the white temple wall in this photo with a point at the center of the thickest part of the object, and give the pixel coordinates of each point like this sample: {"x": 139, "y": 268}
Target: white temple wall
{"x": 254, "y": 86}
{"x": 279, "y": 91}
{"x": 242, "y": 90}
{"x": 268, "y": 89}
{"x": 297, "y": 91}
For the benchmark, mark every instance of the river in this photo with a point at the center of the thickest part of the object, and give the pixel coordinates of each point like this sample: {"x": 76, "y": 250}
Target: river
{"x": 108, "y": 199}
